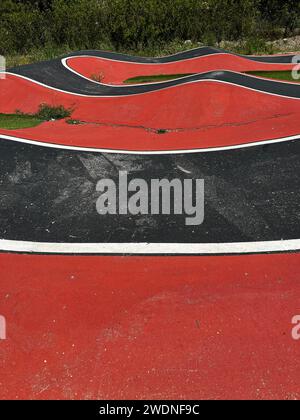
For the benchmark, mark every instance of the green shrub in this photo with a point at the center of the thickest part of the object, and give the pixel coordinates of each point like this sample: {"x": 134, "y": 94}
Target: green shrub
{"x": 255, "y": 45}
{"x": 73, "y": 122}
{"x": 48, "y": 112}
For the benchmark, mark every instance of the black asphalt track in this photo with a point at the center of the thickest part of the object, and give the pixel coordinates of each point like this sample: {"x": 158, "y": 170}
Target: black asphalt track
{"x": 49, "y": 195}
{"x": 185, "y": 55}
{"x": 55, "y": 75}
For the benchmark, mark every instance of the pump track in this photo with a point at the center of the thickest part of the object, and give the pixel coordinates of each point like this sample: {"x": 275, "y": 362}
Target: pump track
{"x": 144, "y": 307}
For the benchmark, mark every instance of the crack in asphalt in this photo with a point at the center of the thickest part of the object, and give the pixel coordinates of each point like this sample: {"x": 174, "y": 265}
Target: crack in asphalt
{"x": 160, "y": 131}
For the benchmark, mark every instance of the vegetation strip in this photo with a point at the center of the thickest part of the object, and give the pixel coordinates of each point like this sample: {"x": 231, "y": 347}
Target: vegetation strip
{"x": 156, "y": 78}
{"x": 15, "y": 121}
{"x": 44, "y": 113}
{"x": 276, "y": 75}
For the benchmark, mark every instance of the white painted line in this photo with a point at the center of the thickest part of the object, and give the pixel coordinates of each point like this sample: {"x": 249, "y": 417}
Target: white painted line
{"x": 150, "y": 248}
{"x": 148, "y": 152}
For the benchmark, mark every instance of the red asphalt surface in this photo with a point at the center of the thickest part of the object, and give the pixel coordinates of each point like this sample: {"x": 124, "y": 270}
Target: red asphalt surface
{"x": 82, "y": 327}
{"x": 197, "y": 115}
{"x": 149, "y": 328}
{"x": 115, "y": 72}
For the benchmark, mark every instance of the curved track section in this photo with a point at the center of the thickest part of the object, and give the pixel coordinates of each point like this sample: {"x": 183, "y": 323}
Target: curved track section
{"x": 115, "y": 68}
{"x": 54, "y": 75}
{"x": 182, "y": 56}
{"x": 207, "y": 113}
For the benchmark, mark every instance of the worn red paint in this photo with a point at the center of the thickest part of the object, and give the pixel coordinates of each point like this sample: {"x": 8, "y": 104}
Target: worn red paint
{"x": 210, "y": 115}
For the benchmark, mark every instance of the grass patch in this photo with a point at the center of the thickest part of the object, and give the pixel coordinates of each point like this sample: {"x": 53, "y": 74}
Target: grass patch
{"x": 45, "y": 113}
{"x": 155, "y": 78}
{"x": 15, "y": 121}
{"x": 277, "y": 75}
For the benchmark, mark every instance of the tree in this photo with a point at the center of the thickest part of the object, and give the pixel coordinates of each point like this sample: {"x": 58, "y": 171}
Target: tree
{"x": 283, "y": 13}
{"x": 231, "y": 19}
{"x": 42, "y": 5}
